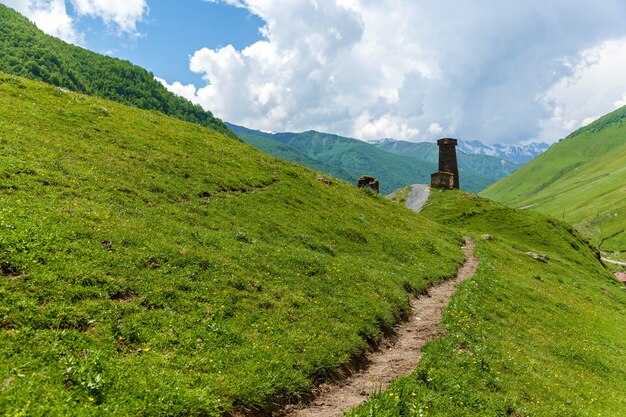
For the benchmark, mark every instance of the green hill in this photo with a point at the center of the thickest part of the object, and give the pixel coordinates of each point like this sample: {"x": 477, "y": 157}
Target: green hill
{"x": 27, "y": 51}
{"x": 490, "y": 167}
{"x": 150, "y": 266}
{"x": 523, "y": 337}
{"x": 580, "y": 179}
{"x": 351, "y": 158}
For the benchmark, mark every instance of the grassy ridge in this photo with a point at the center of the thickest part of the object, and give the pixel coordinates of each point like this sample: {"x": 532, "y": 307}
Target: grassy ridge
{"x": 150, "y": 266}
{"x": 523, "y": 337}
{"x": 580, "y": 179}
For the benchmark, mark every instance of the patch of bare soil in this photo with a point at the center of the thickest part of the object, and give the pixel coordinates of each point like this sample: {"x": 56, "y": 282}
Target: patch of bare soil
{"x": 393, "y": 358}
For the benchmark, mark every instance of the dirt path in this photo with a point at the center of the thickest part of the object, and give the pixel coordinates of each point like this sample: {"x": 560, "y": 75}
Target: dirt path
{"x": 418, "y": 196}
{"x": 395, "y": 357}
{"x": 611, "y": 261}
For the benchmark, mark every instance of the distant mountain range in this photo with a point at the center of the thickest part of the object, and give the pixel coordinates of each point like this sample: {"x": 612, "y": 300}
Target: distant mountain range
{"x": 490, "y": 167}
{"x": 516, "y": 154}
{"x": 395, "y": 163}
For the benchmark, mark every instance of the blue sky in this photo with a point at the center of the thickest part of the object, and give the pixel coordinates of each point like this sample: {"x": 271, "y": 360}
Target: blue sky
{"x": 500, "y": 71}
{"x": 169, "y": 34}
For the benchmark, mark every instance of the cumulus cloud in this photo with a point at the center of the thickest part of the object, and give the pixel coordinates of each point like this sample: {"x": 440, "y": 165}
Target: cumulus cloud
{"x": 52, "y": 16}
{"x": 187, "y": 91}
{"x": 123, "y": 13}
{"x": 496, "y": 71}
{"x": 49, "y": 15}
{"x": 595, "y": 86}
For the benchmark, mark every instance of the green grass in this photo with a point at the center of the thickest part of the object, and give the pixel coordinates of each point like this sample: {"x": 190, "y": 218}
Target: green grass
{"x": 150, "y": 266}
{"x": 580, "y": 180}
{"x": 401, "y": 195}
{"x": 522, "y": 338}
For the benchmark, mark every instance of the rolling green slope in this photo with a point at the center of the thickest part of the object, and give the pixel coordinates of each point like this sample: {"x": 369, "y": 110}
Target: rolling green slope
{"x": 581, "y": 179}
{"x": 523, "y": 337}
{"x": 352, "y": 158}
{"x": 150, "y": 266}
{"x": 28, "y": 52}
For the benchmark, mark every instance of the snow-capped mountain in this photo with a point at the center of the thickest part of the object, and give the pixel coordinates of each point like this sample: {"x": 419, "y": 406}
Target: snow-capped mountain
{"x": 519, "y": 154}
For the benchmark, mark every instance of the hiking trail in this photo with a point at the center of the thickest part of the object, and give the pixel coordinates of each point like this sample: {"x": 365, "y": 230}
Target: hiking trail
{"x": 393, "y": 357}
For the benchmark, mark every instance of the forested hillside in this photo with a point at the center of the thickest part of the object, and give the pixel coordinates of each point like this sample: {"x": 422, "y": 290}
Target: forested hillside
{"x": 28, "y": 52}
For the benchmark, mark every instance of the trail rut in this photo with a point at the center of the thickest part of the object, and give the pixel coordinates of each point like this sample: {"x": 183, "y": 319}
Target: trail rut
{"x": 393, "y": 358}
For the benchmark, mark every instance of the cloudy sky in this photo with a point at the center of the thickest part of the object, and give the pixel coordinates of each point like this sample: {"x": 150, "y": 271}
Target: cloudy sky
{"x": 496, "y": 70}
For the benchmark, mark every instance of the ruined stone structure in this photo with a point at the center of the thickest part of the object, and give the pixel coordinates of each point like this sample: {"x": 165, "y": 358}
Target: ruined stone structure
{"x": 448, "y": 176}
{"x": 368, "y": 182}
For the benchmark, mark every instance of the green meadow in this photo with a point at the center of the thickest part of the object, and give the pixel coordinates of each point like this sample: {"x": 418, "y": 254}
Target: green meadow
{"x": 580, "y": 180}
{"x": 523, "y": 337}
{"x": 151, "y": 266}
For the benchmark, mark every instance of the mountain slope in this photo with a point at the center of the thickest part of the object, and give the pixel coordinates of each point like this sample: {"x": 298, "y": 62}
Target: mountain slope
{"x": 150, "y": 266}
{"x": 356, "y": 158}
{"x": 523, "y": 337}
{"x": 154, "y": 267}
{"x": 28, "y": 52}
{"x": 488, "y": 166}
{"x": 275, "y": 148}
{"x": 581, "y": 179}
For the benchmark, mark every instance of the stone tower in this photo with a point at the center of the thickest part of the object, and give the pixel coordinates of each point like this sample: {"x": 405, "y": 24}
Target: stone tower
{"x": 448, "y": 176}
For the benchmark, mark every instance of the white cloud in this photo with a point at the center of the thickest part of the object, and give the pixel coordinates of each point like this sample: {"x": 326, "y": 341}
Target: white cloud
{"x": 435, "y": 129}
{"x": 412, "y": 70}
{"x": 621, "y": 102}
{"x": 52, "y": 16}
{"x": 595, "y": 87}
{"x": 385, "y": 126}
{"x": 123, "y": 13}
{"x": 49, "y": 15}
{"x": 187, "y": 91}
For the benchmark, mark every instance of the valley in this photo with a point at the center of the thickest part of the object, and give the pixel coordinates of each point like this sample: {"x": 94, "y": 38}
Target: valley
{"x": 581, "y": 180}
{"x": 394, "y": 163}
{"x": 157, "y": 261}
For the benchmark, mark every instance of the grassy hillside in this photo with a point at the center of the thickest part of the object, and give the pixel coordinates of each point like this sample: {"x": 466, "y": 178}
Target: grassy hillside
{"x": 490, "y": 167}
{"x": 352, "y": 158}
{"x": 28, "y": 52}
{"x": 523, "y": 337}
{"x": 581, "y": 179}
{"x": 154, "y": 267}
